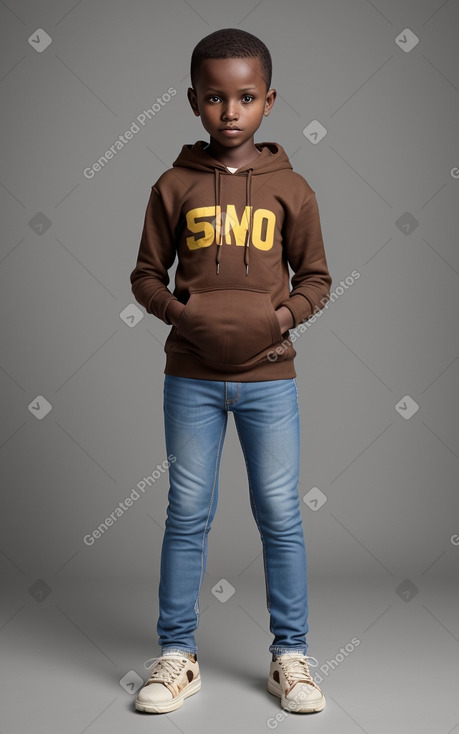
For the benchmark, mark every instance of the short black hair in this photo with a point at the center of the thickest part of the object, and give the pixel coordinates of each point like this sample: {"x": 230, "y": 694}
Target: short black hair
{"x": 231, "y": 43}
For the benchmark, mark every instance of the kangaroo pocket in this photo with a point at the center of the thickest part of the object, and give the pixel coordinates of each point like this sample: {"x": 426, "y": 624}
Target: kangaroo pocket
{"x": 228, "y": 326}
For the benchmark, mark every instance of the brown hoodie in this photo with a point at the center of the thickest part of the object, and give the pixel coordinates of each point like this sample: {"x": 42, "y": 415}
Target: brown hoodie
{"x": 235, "y": 235}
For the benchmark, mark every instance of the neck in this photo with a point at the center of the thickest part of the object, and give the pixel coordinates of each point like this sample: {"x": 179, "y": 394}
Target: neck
{"x": 234, "y": 158}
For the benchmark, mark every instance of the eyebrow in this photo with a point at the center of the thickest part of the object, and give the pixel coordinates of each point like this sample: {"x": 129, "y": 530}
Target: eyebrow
{"x": 245, "y": 89}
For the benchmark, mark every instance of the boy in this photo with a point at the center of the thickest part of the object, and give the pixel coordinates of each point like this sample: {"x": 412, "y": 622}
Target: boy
{"x": 235, "y": 214}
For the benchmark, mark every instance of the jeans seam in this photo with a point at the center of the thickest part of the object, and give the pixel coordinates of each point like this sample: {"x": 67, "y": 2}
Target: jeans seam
{"x": 196, "y": 604}
{"x": 232, "y": 401}
{"x": 296, "y": 387}
{"x": 268, "y": 597}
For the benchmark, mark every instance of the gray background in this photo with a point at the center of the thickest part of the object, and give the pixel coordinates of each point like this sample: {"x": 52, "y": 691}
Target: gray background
{"x": 382, "y": 549}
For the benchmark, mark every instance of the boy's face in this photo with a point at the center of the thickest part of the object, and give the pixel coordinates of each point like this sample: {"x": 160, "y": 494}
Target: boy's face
{"x": 231, "y": 99}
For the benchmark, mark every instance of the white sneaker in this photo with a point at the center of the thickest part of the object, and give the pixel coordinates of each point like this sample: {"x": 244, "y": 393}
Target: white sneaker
{"x": 173, "y": 678}
{"x": 290, "y": 680}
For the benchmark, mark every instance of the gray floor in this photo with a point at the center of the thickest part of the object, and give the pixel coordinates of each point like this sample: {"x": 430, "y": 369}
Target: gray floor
{"x": 63, "y": 656}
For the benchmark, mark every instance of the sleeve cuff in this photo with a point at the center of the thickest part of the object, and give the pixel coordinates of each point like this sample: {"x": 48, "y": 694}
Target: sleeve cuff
{"x": 165, "y": 319}
{"x": 300, "y": 308}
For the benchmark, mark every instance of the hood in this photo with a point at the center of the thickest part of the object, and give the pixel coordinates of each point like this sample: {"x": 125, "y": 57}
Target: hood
{"x": 272, "y": 158}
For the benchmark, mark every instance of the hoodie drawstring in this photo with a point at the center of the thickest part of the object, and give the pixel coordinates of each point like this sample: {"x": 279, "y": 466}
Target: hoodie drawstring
{"x": 218, "y": 217}
{"x": 219, "y": 222}
{"x": 248, "y": 198}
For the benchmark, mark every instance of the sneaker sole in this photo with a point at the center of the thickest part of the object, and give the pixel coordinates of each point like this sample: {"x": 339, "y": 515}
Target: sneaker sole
{"x": 290, "y": 705}
{"x": 175, "y": 703}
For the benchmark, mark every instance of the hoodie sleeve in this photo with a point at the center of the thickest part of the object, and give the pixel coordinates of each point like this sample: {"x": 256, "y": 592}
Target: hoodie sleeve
{"x": 149, "y": 279}
{"x": 305, "y": 253}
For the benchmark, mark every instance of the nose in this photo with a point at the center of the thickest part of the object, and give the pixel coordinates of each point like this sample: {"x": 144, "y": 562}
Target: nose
{"x": 230, "y": 111}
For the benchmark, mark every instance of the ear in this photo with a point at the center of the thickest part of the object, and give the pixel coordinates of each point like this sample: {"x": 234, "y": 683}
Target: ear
{"x": 271, "y": 95}
{"x": 193, "y": 100}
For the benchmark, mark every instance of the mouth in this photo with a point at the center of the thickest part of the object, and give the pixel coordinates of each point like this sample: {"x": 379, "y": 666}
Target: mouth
{"x": 230, "y": 130}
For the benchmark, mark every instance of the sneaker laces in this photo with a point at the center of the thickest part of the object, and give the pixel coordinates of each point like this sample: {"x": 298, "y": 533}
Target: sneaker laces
{"x": 166, "y": 668}
{"x": 296, "y": 669}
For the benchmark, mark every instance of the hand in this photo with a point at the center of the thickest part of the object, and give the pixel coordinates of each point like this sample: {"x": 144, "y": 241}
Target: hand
{"x": 174, "y": 311}
{"x": 285, "y": 318}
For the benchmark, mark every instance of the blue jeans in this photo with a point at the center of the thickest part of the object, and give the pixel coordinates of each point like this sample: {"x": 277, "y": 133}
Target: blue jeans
{"x": 267, "y": 421}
